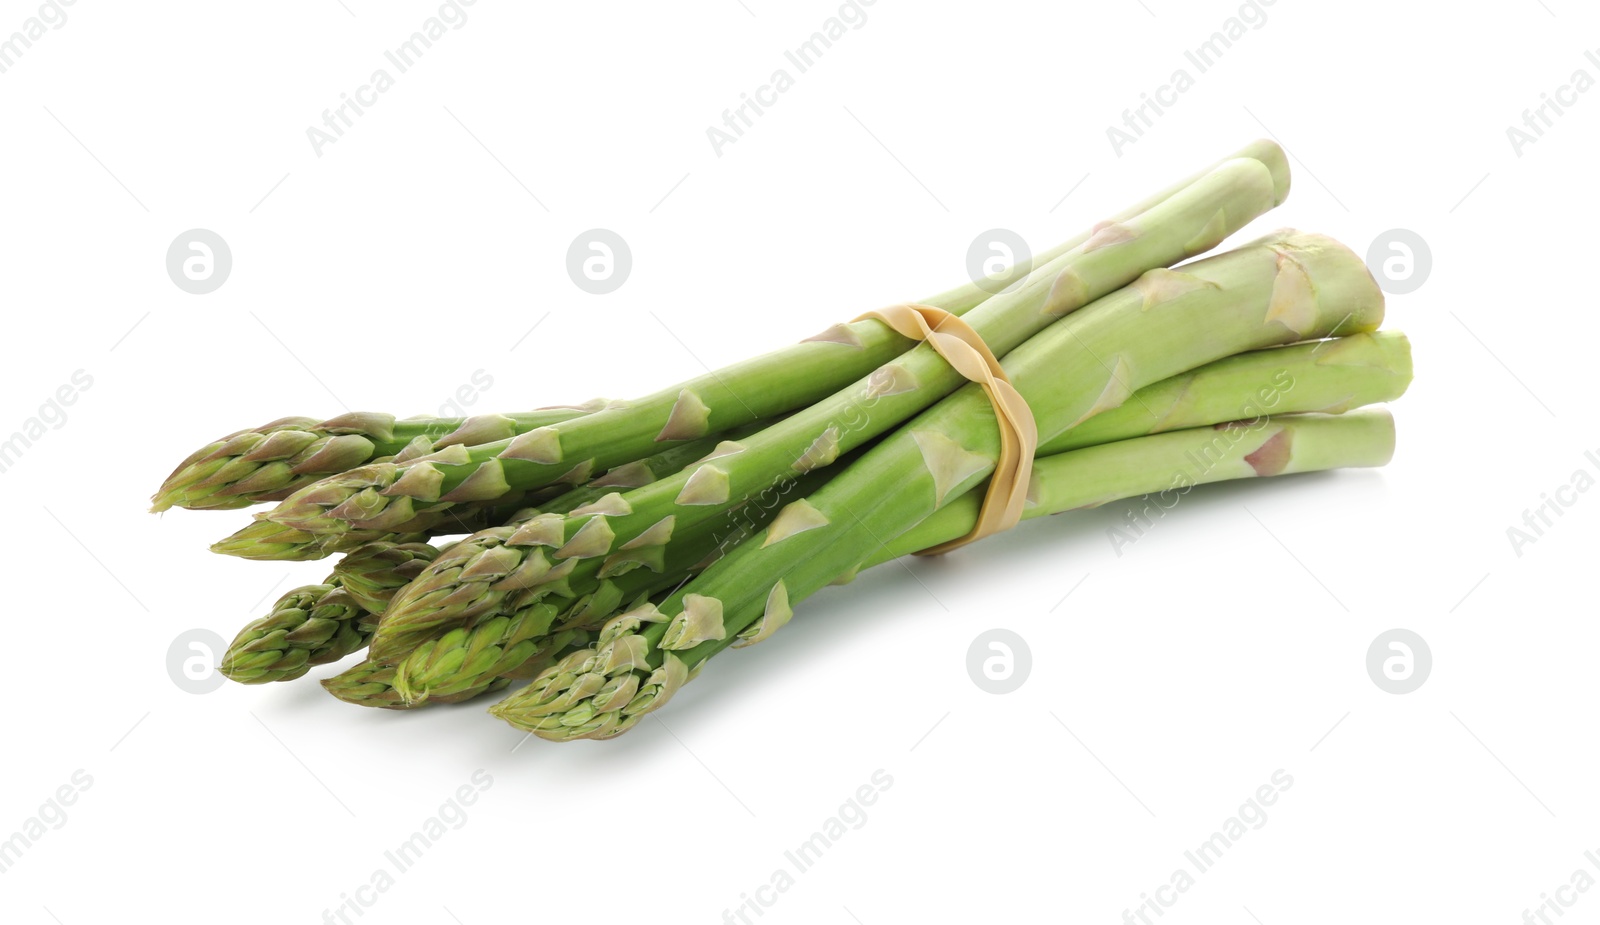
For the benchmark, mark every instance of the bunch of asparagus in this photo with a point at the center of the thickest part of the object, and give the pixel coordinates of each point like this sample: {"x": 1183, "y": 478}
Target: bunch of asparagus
{"x": 606, "y": 551}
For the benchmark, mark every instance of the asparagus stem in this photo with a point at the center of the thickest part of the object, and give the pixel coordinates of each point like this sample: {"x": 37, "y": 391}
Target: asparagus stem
{"x": 271, "y": 462}
{"x": 1330, "y": 375}
{"x": 1284, "y": 288}
{"x": 1168, "y": 465}
{"x": 264, "y": 540}
{"x": 963, "y": 298}
{"x": 1171, "y": 227}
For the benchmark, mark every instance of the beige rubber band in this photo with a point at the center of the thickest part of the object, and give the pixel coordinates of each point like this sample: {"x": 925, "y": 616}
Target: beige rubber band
{"x": 967, "y": 354}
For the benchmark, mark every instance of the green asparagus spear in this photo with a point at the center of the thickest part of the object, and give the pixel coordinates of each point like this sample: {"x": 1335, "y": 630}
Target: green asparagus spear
{"x": 1327, "y": 375}
{"x": 322, "y": 623}
{"x": 371, "y": 684}
{"x": 372, "y": 574}
{"x": 269, "y": 463}
{"x": 310, "y": 625}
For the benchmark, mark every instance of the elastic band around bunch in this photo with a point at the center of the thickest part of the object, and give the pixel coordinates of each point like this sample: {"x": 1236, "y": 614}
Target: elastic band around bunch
{"x": 967, "y": 354}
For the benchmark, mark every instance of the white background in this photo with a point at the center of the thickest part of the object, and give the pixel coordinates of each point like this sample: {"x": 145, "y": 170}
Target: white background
{"x": 422, "y": 246}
